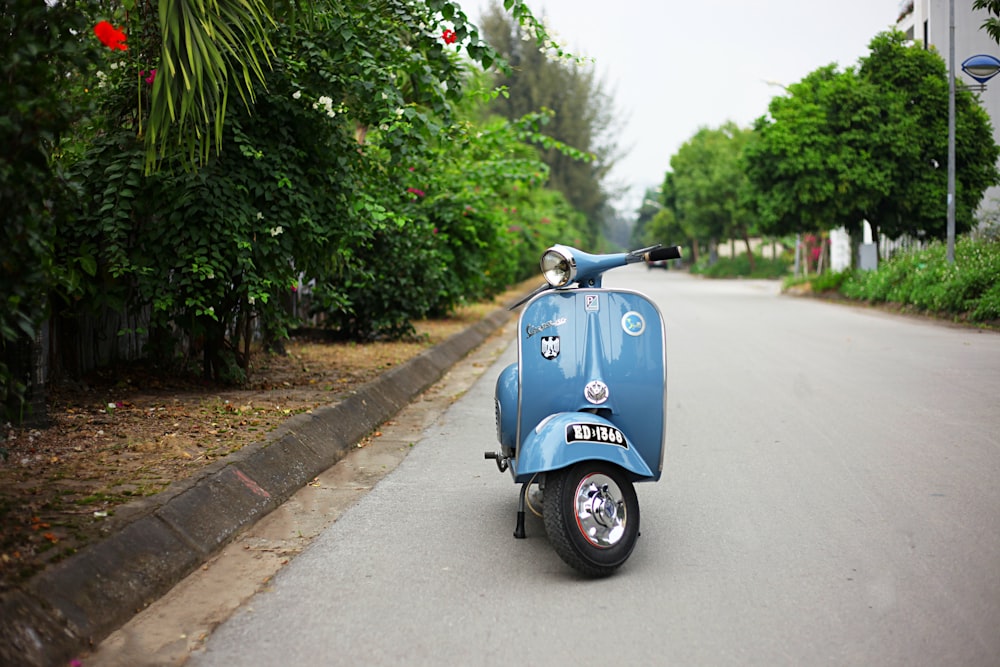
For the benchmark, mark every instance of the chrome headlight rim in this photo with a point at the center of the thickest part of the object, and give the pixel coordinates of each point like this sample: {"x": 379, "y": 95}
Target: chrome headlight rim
{"x": 558, "y": 266}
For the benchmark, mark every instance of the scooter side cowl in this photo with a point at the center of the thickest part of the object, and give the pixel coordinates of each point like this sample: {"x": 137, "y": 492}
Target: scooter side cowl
{"x": 505, "y": 397}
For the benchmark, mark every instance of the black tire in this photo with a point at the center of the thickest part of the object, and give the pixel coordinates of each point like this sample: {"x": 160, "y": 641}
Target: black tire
{"x": 598, "y": 544}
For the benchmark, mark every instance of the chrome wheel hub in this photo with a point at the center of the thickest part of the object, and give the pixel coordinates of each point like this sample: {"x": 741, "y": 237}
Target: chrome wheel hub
{"x": 600, "y": 510}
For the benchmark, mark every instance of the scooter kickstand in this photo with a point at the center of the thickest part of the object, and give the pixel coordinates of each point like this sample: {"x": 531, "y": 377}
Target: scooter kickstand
{"x": 519, "y": 528}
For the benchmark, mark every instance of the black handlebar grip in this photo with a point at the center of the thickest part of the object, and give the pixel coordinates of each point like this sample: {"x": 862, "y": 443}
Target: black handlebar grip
{"x": 673, "y": 252}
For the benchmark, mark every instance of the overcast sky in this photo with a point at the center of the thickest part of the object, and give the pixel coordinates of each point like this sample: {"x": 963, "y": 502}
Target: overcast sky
{"x": 674, "y": 66}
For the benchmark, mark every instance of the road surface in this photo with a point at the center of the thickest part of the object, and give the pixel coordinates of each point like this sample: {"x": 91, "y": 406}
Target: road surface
{"x": 831, "y": 496}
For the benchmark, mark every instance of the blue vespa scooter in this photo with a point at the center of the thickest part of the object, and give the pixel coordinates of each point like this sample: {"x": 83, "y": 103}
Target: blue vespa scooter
{"x": 582, "y": 413}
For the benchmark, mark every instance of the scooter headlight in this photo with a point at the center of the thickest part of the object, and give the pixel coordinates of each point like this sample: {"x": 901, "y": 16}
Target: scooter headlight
{"x": 558, "y": 267}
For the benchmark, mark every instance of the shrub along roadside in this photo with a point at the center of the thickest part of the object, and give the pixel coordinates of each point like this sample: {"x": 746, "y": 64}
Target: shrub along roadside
{"x": 968, "y": 290}
{"x": 739, "y": 267}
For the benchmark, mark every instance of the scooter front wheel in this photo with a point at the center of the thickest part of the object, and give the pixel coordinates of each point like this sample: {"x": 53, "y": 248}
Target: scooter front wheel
{"x": 591, "y": 516}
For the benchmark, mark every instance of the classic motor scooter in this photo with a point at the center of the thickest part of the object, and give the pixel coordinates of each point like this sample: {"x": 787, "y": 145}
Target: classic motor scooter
{"x": 582, "y": 413}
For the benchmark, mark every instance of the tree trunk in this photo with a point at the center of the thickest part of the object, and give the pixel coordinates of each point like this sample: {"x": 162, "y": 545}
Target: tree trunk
{"x": 695, "y": 251}
{"x": 24, "y": 396}
{"x": 746, "y": 241}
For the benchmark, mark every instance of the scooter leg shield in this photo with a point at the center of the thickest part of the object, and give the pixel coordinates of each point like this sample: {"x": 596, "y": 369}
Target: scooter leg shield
{"x": 569, "y": 437}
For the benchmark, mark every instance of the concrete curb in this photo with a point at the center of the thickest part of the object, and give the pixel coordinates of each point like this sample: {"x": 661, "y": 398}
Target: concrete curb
{"x": 78, "y": 602}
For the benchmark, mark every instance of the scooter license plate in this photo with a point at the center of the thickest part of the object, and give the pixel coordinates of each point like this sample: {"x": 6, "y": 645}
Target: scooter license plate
{"x": 600, "y": 433}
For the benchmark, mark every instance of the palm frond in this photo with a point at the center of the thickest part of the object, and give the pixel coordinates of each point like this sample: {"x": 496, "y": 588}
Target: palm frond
{"x": 208, "y": 47}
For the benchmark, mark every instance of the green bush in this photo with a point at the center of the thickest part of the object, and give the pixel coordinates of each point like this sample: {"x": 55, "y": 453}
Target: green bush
{"x": 41, "y": 58}
{"x": 739, "y": 267}
{"x": 924, "y": 280}
{"x": 831, "y": 281}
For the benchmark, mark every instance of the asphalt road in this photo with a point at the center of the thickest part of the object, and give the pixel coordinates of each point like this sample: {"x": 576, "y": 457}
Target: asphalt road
{"x": 831, "y": 496}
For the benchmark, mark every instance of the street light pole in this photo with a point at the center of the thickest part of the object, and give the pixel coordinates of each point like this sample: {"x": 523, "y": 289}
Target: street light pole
{"x": 950, "y": 255}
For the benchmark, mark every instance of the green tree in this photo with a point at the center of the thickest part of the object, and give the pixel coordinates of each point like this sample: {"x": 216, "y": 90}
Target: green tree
{"x": 869, "y": 144}
{"x": 915, "y": 153}
{"x": 648, "y": 208}
{"x": 355, "y": 168}
{"x": 707, "y": 184}
{"x": 808, "y": 162}
{"x": 585, "y": 117}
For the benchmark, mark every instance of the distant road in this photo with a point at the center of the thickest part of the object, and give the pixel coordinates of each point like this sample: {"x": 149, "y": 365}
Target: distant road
{"x": 831, "y": 496}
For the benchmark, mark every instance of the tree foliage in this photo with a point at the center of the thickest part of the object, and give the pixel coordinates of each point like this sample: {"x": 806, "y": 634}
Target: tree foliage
{"x": 359, "y": 170}
{"x": 40, "y": 48}
{"x": 705, "y": 188}
{"x": 916, "y": 80}
{"x": 809, "y": 162}
{"x": 870, "y": 144}
{"x": 584, "y": 116}
{"x": 992, "y": 24}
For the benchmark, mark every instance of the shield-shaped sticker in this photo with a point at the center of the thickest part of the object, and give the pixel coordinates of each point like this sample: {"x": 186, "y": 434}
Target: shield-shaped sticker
{"x": 550, "y": 347}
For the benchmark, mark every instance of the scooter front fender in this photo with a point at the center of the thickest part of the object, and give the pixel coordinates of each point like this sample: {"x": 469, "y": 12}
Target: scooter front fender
{"x": 565, "y": 438}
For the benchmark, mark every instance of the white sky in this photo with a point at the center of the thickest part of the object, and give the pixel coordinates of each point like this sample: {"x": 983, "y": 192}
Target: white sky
{"x": 674, "y": 66}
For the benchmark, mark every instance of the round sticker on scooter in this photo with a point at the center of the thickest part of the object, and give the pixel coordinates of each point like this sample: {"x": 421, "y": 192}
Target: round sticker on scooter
{"x": 596, "y": 392}
{"x": 633, "y": 323}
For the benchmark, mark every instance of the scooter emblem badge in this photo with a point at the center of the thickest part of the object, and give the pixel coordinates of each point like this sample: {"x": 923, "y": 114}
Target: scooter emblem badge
{"x": 550, "y": 347}
{"x": 596, "y": 392}
{"x": 633, "y": 323}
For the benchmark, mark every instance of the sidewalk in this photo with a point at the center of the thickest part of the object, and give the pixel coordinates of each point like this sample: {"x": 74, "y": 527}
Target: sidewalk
{"x": 76, "y": 603}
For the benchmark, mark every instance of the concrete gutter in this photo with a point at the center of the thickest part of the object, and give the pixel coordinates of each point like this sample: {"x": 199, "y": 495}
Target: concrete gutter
{"x": 74, "y": 604}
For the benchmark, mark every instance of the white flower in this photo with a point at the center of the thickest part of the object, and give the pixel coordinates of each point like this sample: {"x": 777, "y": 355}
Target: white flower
{"x": 260, "y": 216}
{"x": 399, "y": 112}
{"x": 327, "y": 104}
{"x": 297, "y": 94}
{"x": 114, "y": 65}
{"x": 251, "y": 300}
{"x": 277, "y": 230}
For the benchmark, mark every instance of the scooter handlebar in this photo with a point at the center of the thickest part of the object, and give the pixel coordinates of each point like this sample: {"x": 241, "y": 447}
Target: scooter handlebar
{"x": 672, "y": 252}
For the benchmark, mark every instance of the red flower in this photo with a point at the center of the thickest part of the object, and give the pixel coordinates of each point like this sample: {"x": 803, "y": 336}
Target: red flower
{"x": 110, "y": 36}
{"x": 449, "y": 36}
{"x": 415, "y": 191}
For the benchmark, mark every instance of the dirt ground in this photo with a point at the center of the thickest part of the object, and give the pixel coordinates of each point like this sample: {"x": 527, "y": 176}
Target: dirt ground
{"x": 128, "y": 436}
